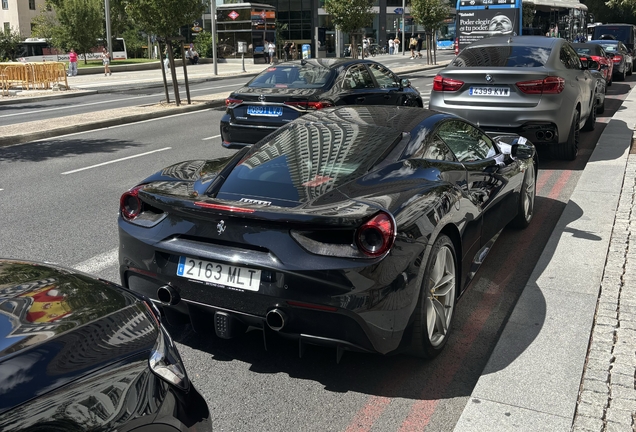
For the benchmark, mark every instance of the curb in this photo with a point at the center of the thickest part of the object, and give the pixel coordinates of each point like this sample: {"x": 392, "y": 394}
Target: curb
{"x": 62, "y": 95}
{"x": 65, "y": 130}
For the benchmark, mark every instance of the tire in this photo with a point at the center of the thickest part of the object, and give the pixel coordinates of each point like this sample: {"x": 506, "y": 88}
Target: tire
{"x": 609, "y": 83}
{"x": 527, "y": 195}
{"x": 436, "y": 304}
{"x": 600, "y": 109}
{"x": 590, "y": 123}
{"x": 569, "y": 149}
{"x": 621, "y": 76}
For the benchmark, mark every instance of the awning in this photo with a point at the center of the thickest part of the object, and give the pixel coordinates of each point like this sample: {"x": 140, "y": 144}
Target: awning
{"x": 561, "y": 4}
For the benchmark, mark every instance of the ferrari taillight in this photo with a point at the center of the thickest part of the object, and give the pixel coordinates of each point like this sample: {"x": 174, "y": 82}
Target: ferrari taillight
{"x": 549, "y": 85}
{"x": 446, "y": 84}
{"x": 375, "y": 237}
{"x": 129, "y": 204}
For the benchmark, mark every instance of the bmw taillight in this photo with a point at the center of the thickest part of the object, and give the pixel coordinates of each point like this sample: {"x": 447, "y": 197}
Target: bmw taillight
{"x": 617, "y": 58}
{"x": 549, "y": 85}
{"x": 446, "y": 84}
{"x": 310, "y": 105}
{"x": 129, "y": 204}
{"x": 232, "y": 101}
{"x": 375, "y": 237}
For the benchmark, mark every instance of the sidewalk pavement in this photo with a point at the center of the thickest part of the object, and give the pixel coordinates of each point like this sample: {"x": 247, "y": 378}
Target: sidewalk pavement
{"x": 566, "y": 360}
{"x": 129, "y": 80}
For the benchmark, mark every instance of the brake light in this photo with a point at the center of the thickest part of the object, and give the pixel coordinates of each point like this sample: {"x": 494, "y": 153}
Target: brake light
{"x": 310, "y": 105}
{"x": 549, "y": 85}
{"x": 599, "y": 60}
{"x": 618, "y": 58}
{"x": 232, "y": 101}
{"x": 129, "y": 204}
{"x": 375, "y": 237}
{"x": 223, "y": 207}
{"x": 446, "y": 84}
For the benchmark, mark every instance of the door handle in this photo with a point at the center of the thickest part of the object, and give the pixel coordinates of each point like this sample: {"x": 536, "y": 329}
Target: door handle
{"x": 360, "y": 99}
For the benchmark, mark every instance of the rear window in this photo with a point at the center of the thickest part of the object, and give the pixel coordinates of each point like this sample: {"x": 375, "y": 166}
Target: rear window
{"x": 502, "y": 56}
{"x": 584, "y": 51}
{"x": 306, "y": 76}
{"x": 304, "y": 160}
{"x": 621, "y": 33}
{"x": 610, "y": 47}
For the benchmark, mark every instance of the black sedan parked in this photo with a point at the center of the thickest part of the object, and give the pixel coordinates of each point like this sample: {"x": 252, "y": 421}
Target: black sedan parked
{"x": 355, "y": 227}
{"x": 78, "y": 354}
{"x": 284, "y": 92}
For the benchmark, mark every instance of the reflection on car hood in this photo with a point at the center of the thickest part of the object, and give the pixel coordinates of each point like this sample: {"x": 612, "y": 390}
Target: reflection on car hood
{"x": 56, "y": 324}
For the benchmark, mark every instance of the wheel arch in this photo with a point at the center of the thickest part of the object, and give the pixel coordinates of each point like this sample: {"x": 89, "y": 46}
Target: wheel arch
{"x": 452, "y": 232}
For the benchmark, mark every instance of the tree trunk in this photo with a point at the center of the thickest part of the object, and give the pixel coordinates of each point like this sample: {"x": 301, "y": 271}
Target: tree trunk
{"x": 173, "y": 73}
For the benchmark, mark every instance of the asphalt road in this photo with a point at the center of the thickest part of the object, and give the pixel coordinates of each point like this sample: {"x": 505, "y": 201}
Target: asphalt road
{"x": 113, "y": 98}
{"x": 59, "y": 200}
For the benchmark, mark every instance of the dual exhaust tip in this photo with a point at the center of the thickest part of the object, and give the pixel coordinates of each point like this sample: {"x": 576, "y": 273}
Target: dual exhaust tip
{"x": 545, "y": 135}
{"x": 275, "y": 318}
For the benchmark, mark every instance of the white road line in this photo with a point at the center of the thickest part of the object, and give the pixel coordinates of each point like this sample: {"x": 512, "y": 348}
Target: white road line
{"x": 99, "y": 262}
{"x": 212, "y": 137}
{"x": 116, "y": 160}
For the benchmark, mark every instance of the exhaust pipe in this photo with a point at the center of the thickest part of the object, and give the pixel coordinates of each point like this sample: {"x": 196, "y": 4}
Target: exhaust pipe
{"x": 549, "y": 135}
{"x": 276, "y": 319}
{"x": 540, "y": 135}
{"x": 168, "y": 296}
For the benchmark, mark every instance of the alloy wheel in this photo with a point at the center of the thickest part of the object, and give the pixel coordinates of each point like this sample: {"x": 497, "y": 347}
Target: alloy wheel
{"x": 440, "y": 296}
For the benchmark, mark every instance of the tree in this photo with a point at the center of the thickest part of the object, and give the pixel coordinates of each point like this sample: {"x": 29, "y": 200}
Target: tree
{"x": 81, "y": 24}
{"x": 430, "y": 14}
{"x": 528, "y": 12}
{"x": 203, "y": 44}
{"x": 163, "y": 18}
{"x": 44, "y": 24}
{"x": 350, "y": 16}
{"x": 9, "y": 42}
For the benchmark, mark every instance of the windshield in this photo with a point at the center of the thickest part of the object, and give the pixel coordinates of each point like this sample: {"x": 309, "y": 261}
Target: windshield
{"x": 610, "y": 47}
{"x": 293, "y": 76}
{"x": 502, "y": 56}
{"x": 621, "y": 33}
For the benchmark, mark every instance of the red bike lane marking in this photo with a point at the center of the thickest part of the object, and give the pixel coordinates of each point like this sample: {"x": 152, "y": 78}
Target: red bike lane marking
{"x": 422, "y": 410}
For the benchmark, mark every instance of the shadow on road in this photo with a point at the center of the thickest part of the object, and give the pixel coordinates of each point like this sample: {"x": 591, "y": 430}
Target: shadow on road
{"x": 56, "y": 148}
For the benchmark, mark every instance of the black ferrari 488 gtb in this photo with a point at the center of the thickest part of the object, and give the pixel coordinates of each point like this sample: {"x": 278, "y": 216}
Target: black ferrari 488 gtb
{"x": 356, "y": 227}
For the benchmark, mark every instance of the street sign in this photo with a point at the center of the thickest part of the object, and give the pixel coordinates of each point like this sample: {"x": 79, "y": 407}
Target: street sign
{"x": 398, "y": 11}
{"x": 234, "y": 15}
{"x": 263, "y": 14}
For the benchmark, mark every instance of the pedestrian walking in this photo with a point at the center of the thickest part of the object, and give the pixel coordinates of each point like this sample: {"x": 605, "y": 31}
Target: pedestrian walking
{"x": 106, "y": 62}
{"x": 391, "y": 46}
{"x": 413, "y": 46}
{"x": 365, "y": 47}
{"x": 418, "y": 46}
{"x": 72, "y": 63}
{"x": 287, "y": 50}
{"x": 271, "y": 50}
{"x": 396, "y": 42}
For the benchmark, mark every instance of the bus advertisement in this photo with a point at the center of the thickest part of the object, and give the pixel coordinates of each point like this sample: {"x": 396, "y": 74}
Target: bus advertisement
{"x": 477, "y": 19}
{"x": 38, "y": 50}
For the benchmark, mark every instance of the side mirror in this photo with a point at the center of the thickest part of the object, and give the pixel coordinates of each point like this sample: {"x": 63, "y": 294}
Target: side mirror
{"x": 593, "y": 65}
{"x": 585, "y": 63}
{"x": 522, "y": 151}
{"x": 405, "y": 82}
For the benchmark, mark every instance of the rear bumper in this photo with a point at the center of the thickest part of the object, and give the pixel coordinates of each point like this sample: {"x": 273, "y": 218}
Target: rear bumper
{"x": 333, "y": 307}
{"x": 541, "y": 126}
{"x": 235, "y": 135}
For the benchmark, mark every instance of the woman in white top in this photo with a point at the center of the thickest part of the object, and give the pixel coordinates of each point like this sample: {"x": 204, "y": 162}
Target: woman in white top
{"x": 271, "y": 49}
{"x": 106, "y": 62}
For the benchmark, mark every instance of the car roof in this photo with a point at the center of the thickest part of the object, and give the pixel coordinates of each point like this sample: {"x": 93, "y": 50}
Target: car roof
{"x": 605, "y": 41}
{"x": 329, "y": 63}
{"x": 536, "y": 41}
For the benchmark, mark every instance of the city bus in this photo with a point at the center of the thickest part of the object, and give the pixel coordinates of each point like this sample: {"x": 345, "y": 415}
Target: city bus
{"x": 38, "y": 50}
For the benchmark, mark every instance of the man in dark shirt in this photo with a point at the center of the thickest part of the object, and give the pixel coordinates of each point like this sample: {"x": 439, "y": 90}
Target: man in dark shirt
{"x": 418, "y": 47}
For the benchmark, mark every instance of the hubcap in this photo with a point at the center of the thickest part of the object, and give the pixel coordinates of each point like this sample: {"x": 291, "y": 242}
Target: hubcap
{"x": 440, "y": 298}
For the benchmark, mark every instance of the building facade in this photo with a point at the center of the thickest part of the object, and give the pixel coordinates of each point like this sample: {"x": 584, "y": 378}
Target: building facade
{"x": 17, "y": 15}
